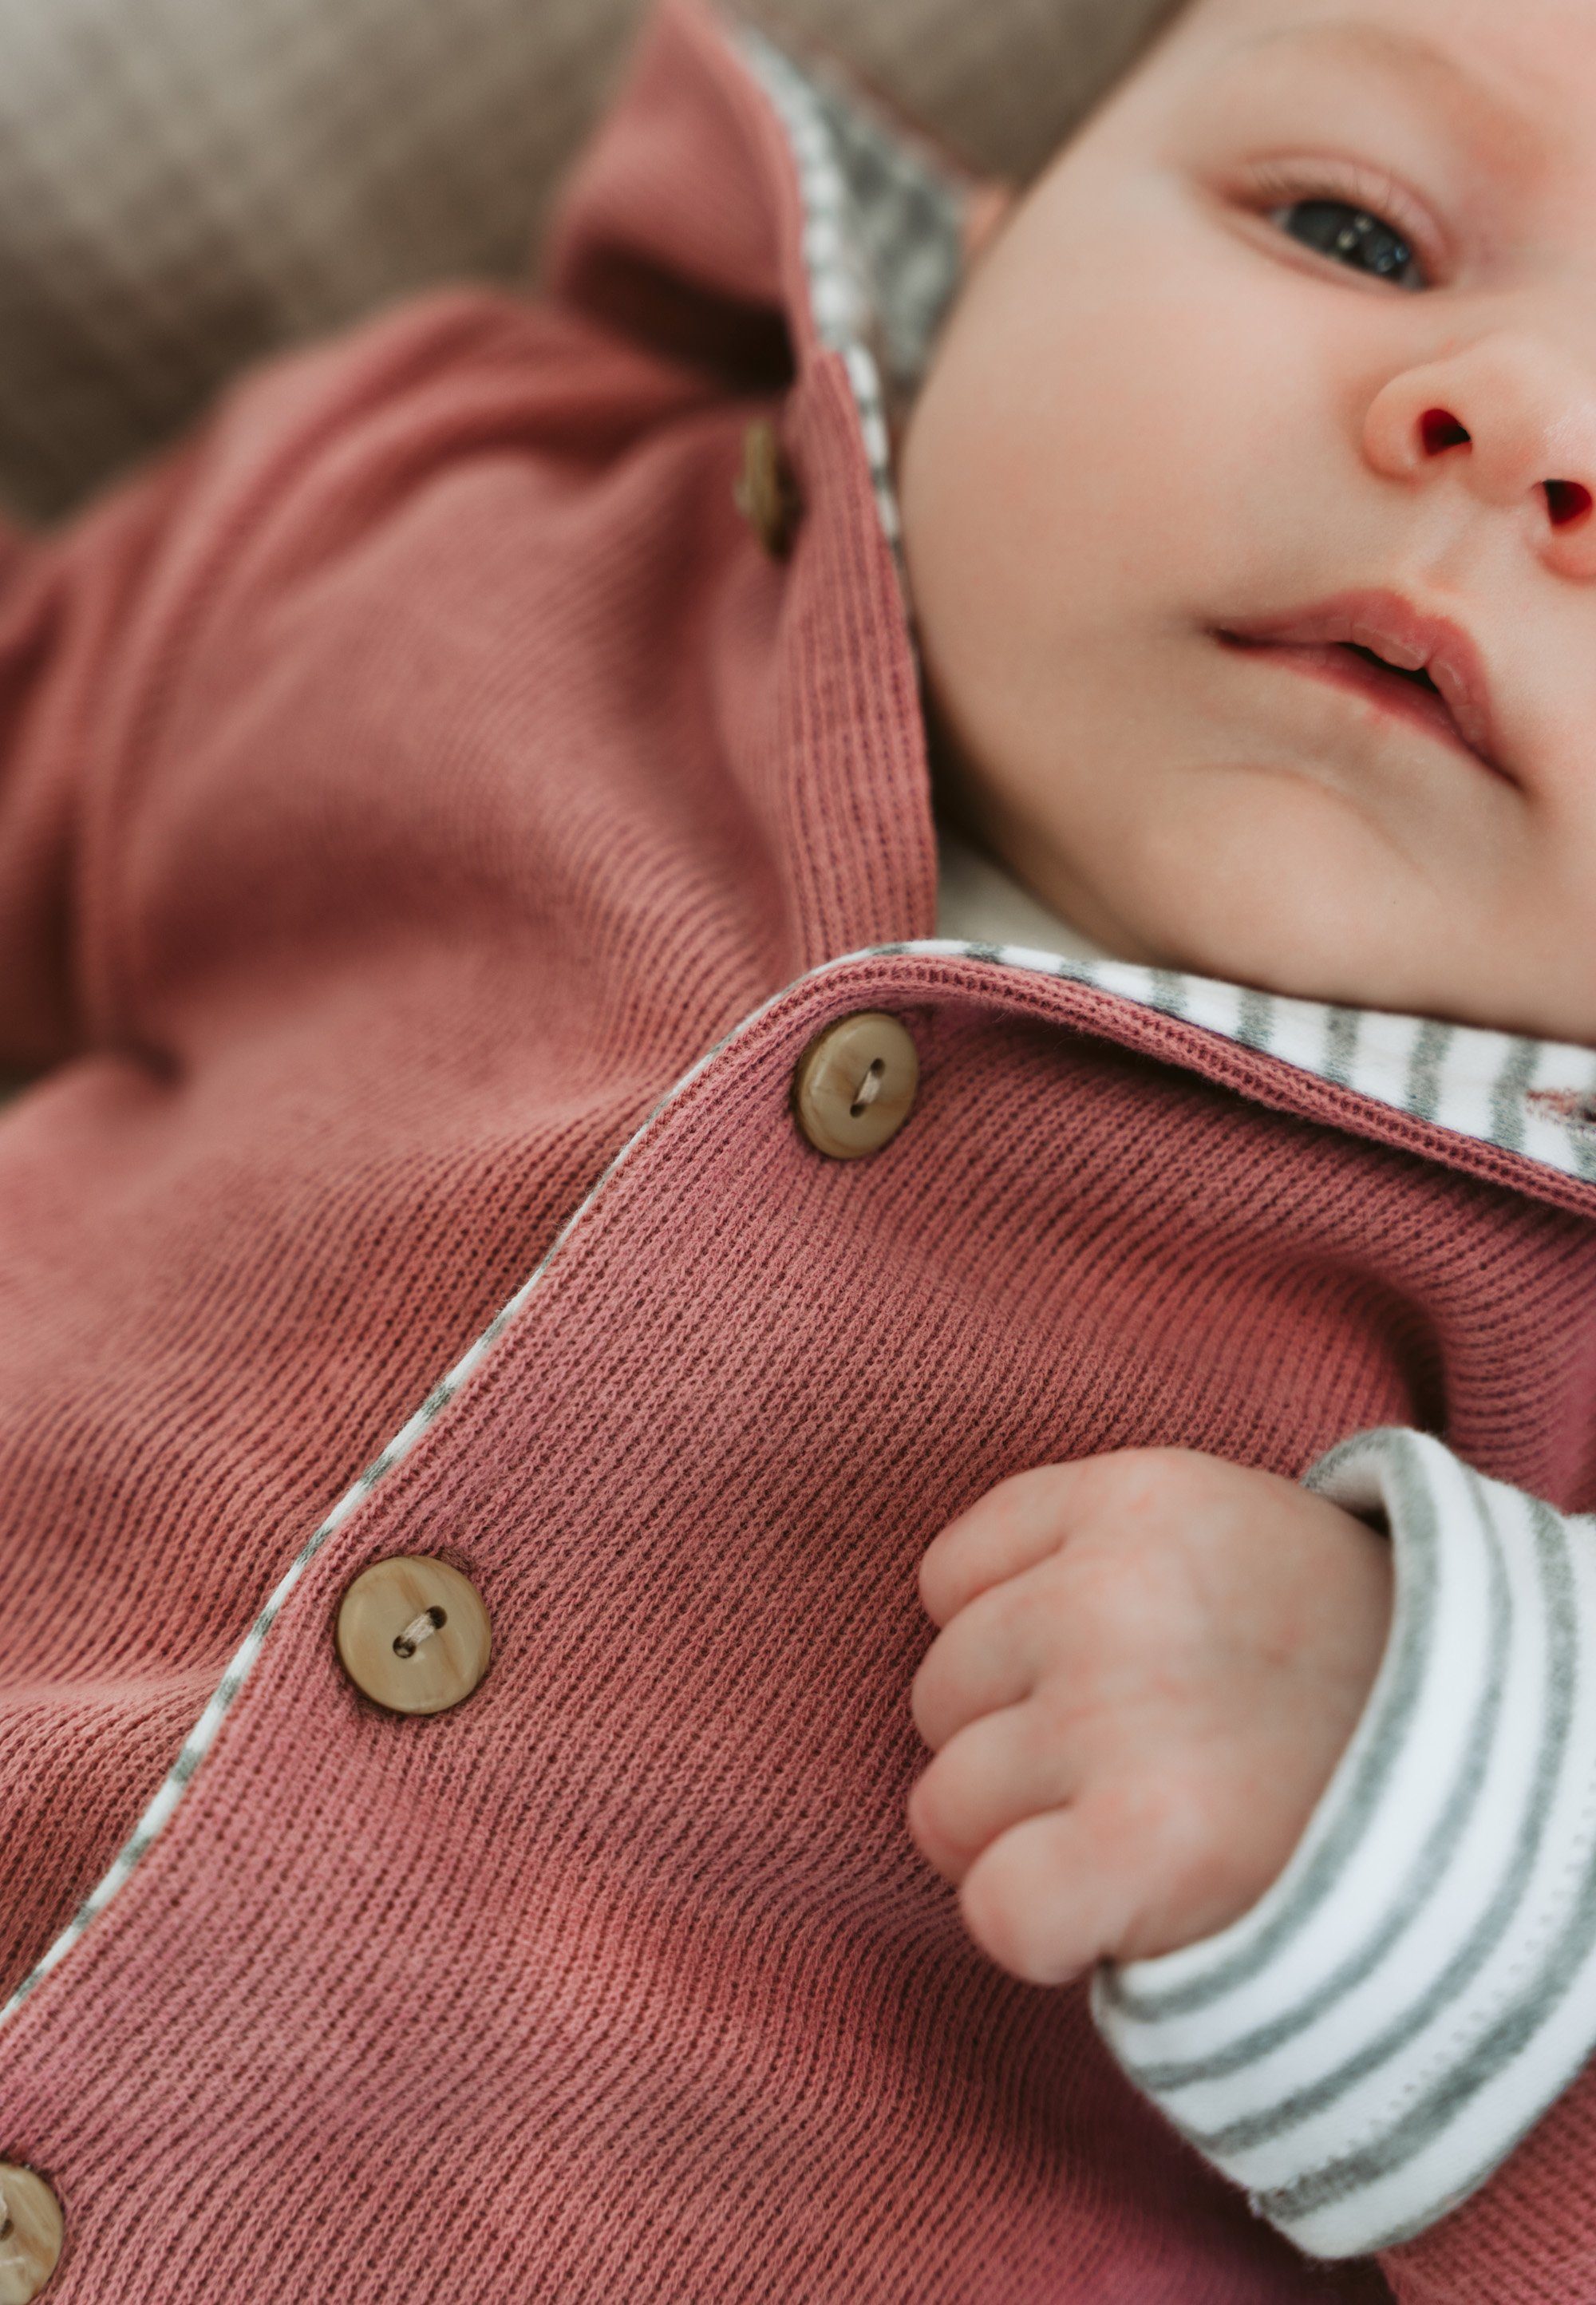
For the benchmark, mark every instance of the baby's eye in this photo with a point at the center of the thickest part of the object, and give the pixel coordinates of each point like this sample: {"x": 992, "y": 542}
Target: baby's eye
{"x": 1352, "y": 236}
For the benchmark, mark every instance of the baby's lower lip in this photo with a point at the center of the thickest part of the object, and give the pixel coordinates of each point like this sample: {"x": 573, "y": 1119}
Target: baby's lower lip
{"x": 1342, "y": 668}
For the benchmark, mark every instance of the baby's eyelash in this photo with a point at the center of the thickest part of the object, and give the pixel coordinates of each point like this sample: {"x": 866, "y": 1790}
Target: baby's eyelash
{"x": 1271, "y": 185}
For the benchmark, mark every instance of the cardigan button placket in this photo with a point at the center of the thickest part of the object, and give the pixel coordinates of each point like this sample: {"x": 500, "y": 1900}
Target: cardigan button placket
{"x": 412, "y": 1634}
{"x": 30, "y": 2233}
{"x": 854, "y": 1085}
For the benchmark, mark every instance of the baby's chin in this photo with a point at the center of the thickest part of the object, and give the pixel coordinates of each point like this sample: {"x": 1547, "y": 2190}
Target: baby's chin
{"x": 1385, "y": 877}
{"x": 1303, "y": 922}
{"x": 1398, "y": 977}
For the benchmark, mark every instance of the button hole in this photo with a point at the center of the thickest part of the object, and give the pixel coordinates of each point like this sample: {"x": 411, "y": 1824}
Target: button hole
{"x": 418, "y": 1629}
{"x": 870, "y": 1088}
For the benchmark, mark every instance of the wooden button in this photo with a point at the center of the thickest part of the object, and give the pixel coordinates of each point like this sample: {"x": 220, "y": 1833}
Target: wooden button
{"x": 30, "y": 2230}
{"x": 414, "y": 1633}
{"x": 854, "y": 1085}
{"x": 766, "y": 494}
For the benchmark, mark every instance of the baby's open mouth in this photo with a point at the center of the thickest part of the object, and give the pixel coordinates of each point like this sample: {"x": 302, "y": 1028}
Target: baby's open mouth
{"x": 1420, "y": 679}
{"x": 1421, "y": 669}
{"x": 1369, "y": 674}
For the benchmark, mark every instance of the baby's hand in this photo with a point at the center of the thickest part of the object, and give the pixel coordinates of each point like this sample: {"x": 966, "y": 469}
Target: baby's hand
{"x": 1149, "y": 1666}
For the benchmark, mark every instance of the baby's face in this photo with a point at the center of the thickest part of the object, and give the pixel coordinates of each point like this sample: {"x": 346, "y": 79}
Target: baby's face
{"x": 1290, "y": 357}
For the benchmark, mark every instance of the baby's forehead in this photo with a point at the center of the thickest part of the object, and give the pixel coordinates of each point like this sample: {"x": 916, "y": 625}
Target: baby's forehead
{"x": 1516, "y": 79}
{"x": 1450, "y": 44}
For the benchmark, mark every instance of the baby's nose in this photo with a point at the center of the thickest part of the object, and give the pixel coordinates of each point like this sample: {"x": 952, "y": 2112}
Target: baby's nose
{"x": 1513, "y": 418}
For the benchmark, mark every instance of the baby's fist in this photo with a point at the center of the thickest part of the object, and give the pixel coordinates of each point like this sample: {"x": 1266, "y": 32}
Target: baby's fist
{"x": 1149, "y": 1666}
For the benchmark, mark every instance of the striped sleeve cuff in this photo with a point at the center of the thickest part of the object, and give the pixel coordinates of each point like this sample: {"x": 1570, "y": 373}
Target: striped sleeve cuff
{"x": 1363, "y": 2047}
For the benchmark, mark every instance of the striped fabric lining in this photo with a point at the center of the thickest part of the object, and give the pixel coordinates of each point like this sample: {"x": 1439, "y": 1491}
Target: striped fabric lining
{"x": 882, "y": 243}
{"x": 1537, "y": 1098}
{"x": 1366, "y": 2044}
{"x": 900, "y": 215}
{"x": 839, "y": 297}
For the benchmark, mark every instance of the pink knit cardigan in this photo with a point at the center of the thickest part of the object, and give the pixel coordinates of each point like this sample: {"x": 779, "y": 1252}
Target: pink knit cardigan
{"x": 404, "y": 788}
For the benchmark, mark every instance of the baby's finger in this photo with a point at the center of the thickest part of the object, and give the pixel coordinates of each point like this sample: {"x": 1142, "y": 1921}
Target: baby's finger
{"x": 1013, "y": 1526}
{"x": 985, "y": 1659}
{"x": 1003, "y": 1768}
{"x": 1052, "y": 1896}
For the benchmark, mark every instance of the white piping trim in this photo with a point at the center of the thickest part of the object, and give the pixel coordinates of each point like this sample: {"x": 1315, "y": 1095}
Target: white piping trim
{"x": 838, "y": 294}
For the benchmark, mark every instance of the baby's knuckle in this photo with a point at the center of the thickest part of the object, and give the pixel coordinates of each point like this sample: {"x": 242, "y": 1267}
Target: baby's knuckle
{"x": 1124, "y": 1485}
{"x": 997, "y": 1918}
{"x": 1159, "y": 1500}
{"x": 1088, "y": 1612}
{"x": 927, "y": 1697}
{"x": 1164, "y": 1477}
{"x": 1168, "y": 1817}
{"x": 927, "y": 1826}
{"x": 957, "y": 1568}
{"x": 941, "y": 1571}
{"x": 1021, "y": 1933}
{"x": 1033, "y": 1485}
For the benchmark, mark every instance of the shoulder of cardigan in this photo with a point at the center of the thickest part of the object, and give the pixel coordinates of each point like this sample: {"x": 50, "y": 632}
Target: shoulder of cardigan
{"x": 884, "y": 216}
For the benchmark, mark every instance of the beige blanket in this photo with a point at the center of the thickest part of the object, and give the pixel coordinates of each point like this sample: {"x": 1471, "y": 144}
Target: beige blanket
{"x": 184, "y": 183}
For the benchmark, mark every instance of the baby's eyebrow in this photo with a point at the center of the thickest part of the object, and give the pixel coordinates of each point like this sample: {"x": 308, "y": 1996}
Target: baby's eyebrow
{"x": 1508, "y": 131}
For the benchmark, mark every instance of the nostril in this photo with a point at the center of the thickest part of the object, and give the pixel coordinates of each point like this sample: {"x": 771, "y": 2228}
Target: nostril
{"x": 1439, "y": 430}
{"x": 1567, "y": 502}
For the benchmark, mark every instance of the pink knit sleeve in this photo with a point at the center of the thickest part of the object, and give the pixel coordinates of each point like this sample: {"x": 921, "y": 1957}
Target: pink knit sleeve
{"x": 1528, "y": 2237}
{"x": 65, "y": 607}
{"x": 99, "y": 622}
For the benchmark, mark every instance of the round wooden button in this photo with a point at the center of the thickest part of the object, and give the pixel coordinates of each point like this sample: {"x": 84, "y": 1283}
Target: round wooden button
{"x": 413, "y": 1635}
{"x": 854, "y": 1085}
{"x": 30, "y": 2231}
{"x": 766, "y": 494}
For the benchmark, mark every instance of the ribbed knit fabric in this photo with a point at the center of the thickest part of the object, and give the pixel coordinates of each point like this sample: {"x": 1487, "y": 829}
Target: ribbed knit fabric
{"x": 402, "y": 791}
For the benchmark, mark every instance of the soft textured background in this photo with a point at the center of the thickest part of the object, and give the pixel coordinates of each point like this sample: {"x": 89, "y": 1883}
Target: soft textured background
{"x": 185, "y": 184}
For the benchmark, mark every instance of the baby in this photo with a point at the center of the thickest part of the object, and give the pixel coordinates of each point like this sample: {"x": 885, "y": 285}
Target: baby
{"x": 1248, "y": 516}
{"x": 416, "y": 774}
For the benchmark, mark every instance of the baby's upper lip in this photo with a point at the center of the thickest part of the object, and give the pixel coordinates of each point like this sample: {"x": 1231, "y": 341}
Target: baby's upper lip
{"x": 1410, "y": 638}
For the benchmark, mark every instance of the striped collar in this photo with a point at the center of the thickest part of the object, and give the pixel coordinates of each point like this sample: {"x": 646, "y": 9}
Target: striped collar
{"x": 883, "y": 250}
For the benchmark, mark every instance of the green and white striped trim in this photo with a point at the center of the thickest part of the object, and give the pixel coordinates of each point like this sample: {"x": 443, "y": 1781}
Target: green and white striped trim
{"x": 1533, "y": 1097}
{"x": 159, "y": 1813}
{"x": 882, "y": 241}
{"x": 1362, "y": 2048}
